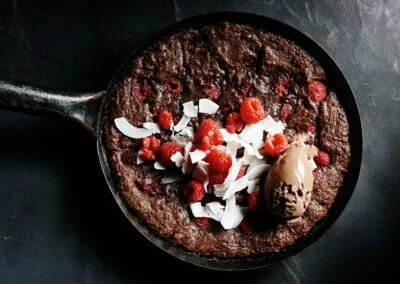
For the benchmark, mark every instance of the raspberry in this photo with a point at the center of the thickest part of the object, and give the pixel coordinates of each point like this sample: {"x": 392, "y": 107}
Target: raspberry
{"x": 194, "y": 191}
{"x": 166, "y": 150}
{"x": 316, "y": 91}
{"x": 281, "y": 86}
{"x": 244, "y": 226}
{"x": 312, "y": 128}
{"x": 276, "y": 145}
{"x": 173, "y": 86}
{"x": 251, "y": 110}
{"x": 322, "y": 159}
{"x": 220, "y": 162}
{"x": 150, "y": 146}
{"x": 212, "y": 92}
{"x": 242, "y": 172}
{"x": 152, "y": 188}
{"x": 164, "y": 119}
{"x": 208, "y": 134}
{"x": 233, "y": 123}
{"x": 225, "y": 110}
{"x": 285, "y": 111}
{"x": 202, "y": 223}
{"x": 146, "y": 88}
{"x": 253, "y": 200}
{"x": 217, "y": 178}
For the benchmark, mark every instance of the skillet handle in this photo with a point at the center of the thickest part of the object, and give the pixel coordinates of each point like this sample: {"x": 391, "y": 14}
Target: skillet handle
{"x": 82, "y": 108}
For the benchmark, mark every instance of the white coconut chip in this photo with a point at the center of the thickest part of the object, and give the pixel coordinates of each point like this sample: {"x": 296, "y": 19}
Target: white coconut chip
{"x": 253, "y": 185}
{"x": 207, "y": 106}
{"x": 152, "y": 127}
{"x": 187, "y": 165}
{"x": 129, "y": 130}
{"x": 201, "y": 211}
{"x": 255, "y": 162}
{"x": 187, "y": 132}
{"x": 190, "y": 110}
{"x": 139, "y": 159}
{"x": 170, "y": 177}
{"x": 253, "y": 134}
{"x": 257, "y": 171}
{"x": 158, "y": 166}
{"x": 182, "y": 123}
{"x": 178, "y": 159}
{"x": 215, "y": 209}
{"x": 236, "y": 186}
{"x": 233, "y": 214}
{"x": 231, "y": 148}
{"x": 180, "y": 140}
{"x": 271, "y": 126}
{"x": 197, "y": 155}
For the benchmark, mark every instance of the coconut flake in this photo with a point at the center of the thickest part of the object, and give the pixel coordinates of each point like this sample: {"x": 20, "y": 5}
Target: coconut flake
{"x": 152, "y": 127}
{"x": 197, "y": 155}
{"x": 207, "y": 106}
{"x": 271, "y": 126}
{"x": 253, "y": 185}
{"x": 205, "y": 212}
{"x": 204, "y": 168}
{"x": 233, "y": 214}
{"x": 253, "y": 134}
{"x": 187, "y": 165}
{"x": 158, "y": 166}
{"x": 170, "y": 178}
{"x": 180, "y": 140}
{"x": 231, "y": 148}
{"x": 257, "y": 171}
{"x": 255, "y": 162}
{"x": 129, "y": 130}
{"x": 190, "y": 110}
{"x": 187, "y": 132}
{"x": 182, "y": 123}
{"x": 139, "y": 159}
{"x": 236, "y": 186}
{"x": 178, "y": 159}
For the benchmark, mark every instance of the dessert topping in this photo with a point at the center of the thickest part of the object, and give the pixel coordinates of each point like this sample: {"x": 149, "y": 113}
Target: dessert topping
{"x": 251, "y": 110}
{"x": 207, "y": 106}
{"x": 322, "y": 159}
{"x": 276, "y": 144}
{"x": 129, "y": 130}
{"x": 190, "y": 110}
{"x": 173, "y": 86}
{"x": 194, "y": 191}
{"x": 316, "y": 91}
{"x": 233, "y": 123}
{"x": 208, "y": 134}
{"x": 164, "y": 119}
{"x": 166, "y": 151}
{"x": 285, "y": 111}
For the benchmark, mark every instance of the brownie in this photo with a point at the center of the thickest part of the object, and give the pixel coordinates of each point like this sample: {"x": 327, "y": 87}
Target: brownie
{"x": 225, "y": 62}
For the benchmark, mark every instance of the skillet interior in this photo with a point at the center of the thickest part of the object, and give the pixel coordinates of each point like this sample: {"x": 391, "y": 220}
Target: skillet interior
{"x": 345, "y": 96}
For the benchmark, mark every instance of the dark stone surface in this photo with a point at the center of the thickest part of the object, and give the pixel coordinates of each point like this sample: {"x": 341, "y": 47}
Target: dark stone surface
{"x": 58, "y": 221}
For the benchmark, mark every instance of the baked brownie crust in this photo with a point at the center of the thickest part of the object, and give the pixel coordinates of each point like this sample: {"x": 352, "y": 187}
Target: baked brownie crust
{"x": 236, "y": 61}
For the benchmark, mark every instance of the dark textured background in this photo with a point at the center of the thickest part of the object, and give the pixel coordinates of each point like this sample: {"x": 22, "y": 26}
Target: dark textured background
{"x": 58, "y": 221}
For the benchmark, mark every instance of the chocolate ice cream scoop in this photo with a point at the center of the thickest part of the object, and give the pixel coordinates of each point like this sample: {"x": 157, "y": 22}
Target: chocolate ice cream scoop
{"x": 290, "y": 180}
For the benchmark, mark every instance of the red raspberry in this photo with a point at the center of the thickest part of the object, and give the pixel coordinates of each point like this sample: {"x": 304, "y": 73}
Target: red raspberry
{"x": 216, "y": 178}
{"x": 251, "y": 110}
{"x": 312, "y": 128}
{"x": 166, "y": 150}
{"x": 245, "y": 226}
{"x": 225, "y": 110}
{"x": 276, "y": 145}
{"x": 173, "y": 86}
{"x": 253, "y": 199}
{"x": 285, "y": 111}
{"x": 202, "y": 223}
{"x": 164, "y": 119}
{"x": 322, "y": 159}
{"x": 316, "y": 91}
{"x": 220, "y": 162}
{"x": 212, "y": 91}
{"x": 208, "y": 134}
{"x": 152, "y": 188}
{"x": 146, "y": 88}
{"x": 150, "y": 146}
{"x": 242, "y": 172}
{"x": 281, "y": 86}
{"x": 194, "y": 191}
{"x": 234, "y": 123}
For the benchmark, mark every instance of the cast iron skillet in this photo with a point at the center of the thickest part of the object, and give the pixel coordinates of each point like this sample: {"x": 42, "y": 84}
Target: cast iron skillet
{"x": 88, "y": 110}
